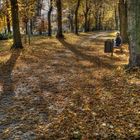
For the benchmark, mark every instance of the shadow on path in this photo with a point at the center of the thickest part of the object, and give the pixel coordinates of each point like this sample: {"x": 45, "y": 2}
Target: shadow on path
{"x": 6, "y": 74}
{"x": 93, "y": 59}
{"x": 6, "y": 97}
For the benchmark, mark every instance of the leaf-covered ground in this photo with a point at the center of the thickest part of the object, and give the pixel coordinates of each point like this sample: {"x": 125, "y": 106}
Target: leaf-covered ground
{"x": 68, "y": 89}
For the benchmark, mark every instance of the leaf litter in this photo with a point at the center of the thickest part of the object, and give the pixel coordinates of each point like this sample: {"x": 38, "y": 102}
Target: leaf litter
{"x": 69, "y": 89}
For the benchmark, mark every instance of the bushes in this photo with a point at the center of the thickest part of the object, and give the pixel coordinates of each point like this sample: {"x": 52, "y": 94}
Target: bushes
{"x": 5, "y": 36}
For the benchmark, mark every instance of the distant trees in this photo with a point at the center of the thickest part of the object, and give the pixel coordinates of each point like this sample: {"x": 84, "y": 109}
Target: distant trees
{"x": 5, "y": 15}
{"x": 82, "y": 15}
{"x": 26, "y": 11}
{"x": 87, "y": 6}
{"x": 98, "y": 14}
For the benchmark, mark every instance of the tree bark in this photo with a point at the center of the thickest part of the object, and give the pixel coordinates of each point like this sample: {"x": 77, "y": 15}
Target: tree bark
{"x": 76, "y": 16}
{"x": 100, "y": 21}
{"x": 26, "y": 27}
{"x": 59, "y": 19}
{"x": 86, "y": 23}
{"x": 49, "y": 19}
{"x": 116, "y": 18}
{"x": 86, "y": 16}
{"x": 31, "y": 26}
{"x": 8, "y": 23}
{"x": 8, "y": 18}
{"x": 15, "y": 23}
{"x": 71, "y": 21}
{"x": 96, "y": 17}
{"x": 123, "y": 20}
{"x": 134, "y": 31}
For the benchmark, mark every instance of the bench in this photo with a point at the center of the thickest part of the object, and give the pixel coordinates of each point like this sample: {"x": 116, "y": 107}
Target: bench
{"x": 109, "y": 47}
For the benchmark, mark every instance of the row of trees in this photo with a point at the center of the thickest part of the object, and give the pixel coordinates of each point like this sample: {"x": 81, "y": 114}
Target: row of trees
{"x": 92, "y": 10}
{"x": 84, "y": 15}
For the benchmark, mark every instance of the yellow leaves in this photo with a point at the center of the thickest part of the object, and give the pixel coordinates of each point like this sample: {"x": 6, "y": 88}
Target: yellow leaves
{"x": 94, "y": 114}
{"x": 6, "y": 133}
{"x": 86, "y": 107}
{"x": 118, "y": 130}
{"x": 119, "y": 68}
{"x": 72, "y": 114}
{"x": 27, "y": 9}
{"x": 135, "y": 81}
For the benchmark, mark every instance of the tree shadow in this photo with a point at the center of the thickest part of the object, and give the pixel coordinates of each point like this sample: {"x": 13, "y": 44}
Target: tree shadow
{"x": 7, "y": 86}
{"x": 93, "y": 59}
{"x": 6, "y": 73}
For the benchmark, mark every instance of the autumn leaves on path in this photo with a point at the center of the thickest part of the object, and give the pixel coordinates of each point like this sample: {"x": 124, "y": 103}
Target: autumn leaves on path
{"x": 69, "y": 88}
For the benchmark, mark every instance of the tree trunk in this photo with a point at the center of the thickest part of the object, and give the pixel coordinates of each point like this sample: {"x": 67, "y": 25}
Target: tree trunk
{"x": 134, "y": 31}
{"x": 100, "y": 21}
{"x": 116, "y": 18}
{"x": 96, "y": 22}
{"x": 8, "y": 18}
{"x": 15, "y": 21}
{"x": 8, "y": 23}
{"x": 86, "y": 22}
{"x": 86, "y": 16}
{"x": 76, "y": 17}
{"x": 31, "y": 26}
{"x": 71, "y": 22}
{"x": 26, "y": 27}
{"x": 49, "y": 19}
{"x": 59, "y": 19}
{"x": 123, "y": 20}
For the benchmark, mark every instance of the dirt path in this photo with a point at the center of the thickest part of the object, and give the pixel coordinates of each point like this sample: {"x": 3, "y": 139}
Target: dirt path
{"x": 69, "y": 88}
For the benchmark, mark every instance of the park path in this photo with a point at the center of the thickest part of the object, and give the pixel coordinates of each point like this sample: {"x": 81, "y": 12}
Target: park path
{"x": 67, "y": 86}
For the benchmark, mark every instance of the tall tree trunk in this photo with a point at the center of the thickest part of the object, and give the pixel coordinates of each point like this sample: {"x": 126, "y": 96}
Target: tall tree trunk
{"x": 86, "y": 16}
{"x": 123, "y": 20}
{"x": 96, "y": 22}
{"x": 59, "y": 19}
{"x": 116, "y": 18}
{"x": 8, "y": 23}
{"x": 26, "y": 27}
{"x": 26, "y": 31}
{"x": 15, "y": 23}
{"x": 100, "y": 21}
{"x": 8, "y": 17}
{"x": 31, "y": 26}
{"x": 49, "y": 19}
{"x": 86, "y": 22}
{"x": 71, "y": 17}
{"x": 134, "y": 31}
{"x": 76, "y": 16}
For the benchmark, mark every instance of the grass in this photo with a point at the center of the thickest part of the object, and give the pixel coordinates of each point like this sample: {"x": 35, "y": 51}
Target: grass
{"x": 5, "y": 45}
